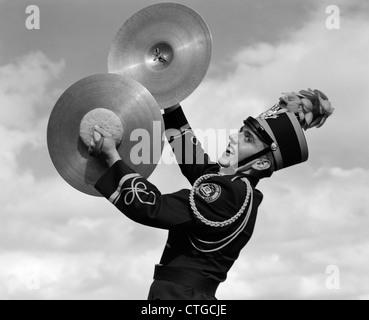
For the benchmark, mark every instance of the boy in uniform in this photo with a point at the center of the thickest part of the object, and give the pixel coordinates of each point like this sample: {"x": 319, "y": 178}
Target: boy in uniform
{"x": 210, "y": 224}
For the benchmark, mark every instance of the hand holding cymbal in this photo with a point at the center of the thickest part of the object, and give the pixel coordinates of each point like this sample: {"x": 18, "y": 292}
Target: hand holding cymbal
{"x": 119, "y": 106}
{"x": 103, "y": 146}
{"x": 96, "y": 144}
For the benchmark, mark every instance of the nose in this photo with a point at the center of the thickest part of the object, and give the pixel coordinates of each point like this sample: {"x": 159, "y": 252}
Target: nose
{"x": 233, "y": 138}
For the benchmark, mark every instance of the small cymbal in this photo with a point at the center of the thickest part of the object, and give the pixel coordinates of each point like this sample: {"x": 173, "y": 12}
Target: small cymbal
{"x": 128, "y": 102}
{"x": 166, "y": 47}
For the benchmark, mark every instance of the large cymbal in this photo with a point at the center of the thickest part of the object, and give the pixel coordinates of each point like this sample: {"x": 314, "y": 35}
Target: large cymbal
{"x": 138, "y": 112}
{"x": 166, "y": 47}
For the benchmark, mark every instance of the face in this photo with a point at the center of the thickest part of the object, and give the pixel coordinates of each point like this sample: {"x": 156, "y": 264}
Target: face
{"x": 241, "y": 146}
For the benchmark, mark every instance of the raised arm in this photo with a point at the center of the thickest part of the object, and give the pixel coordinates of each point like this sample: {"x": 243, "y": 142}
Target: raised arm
{"x": 142, "y": 202}
{"x": 190, "y": 155}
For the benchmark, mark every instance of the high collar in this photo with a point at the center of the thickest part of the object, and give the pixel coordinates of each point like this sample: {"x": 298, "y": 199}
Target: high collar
{"x": 254, "y": 181}
{"x": 238, "y": 175}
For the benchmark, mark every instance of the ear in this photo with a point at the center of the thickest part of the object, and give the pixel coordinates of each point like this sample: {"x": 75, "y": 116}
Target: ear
{"x": 261, "y": 164}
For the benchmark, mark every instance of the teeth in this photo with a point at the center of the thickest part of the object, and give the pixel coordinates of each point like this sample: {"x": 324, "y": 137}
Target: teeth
{"x": 230, "y": 151}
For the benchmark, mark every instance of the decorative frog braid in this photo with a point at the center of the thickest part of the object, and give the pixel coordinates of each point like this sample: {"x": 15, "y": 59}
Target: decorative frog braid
{"x": 227, "y": 240}
{"x": 213, "y": 223}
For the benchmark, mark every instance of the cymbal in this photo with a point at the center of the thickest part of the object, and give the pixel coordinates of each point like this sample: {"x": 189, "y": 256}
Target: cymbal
{"x": 166, "y": 47}
{"x": 124, "y": 99}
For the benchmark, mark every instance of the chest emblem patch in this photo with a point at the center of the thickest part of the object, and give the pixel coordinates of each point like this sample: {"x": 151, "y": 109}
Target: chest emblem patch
{"x": 210, "y": 192}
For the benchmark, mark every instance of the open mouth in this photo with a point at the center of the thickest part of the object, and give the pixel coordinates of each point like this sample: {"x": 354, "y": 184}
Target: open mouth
{"x": 230, "y": 151}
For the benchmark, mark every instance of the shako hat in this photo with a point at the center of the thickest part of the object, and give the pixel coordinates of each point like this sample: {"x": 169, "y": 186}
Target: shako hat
{"x": 282, "y": 127}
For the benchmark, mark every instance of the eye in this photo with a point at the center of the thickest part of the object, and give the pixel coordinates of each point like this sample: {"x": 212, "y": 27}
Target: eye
{"x": 248, "y": 139}
{"x": 247, "y": 136}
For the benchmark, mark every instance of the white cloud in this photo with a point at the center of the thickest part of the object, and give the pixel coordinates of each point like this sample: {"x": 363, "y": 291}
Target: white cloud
{"x": 25, "y": 101}
{"x": 87, "y": 275}
{"x": 24, "y": 90}
{"x": 80, "y": 247}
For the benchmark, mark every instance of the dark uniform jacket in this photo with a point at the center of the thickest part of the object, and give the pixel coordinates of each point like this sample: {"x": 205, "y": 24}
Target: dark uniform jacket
{"x": 204, "y": 241}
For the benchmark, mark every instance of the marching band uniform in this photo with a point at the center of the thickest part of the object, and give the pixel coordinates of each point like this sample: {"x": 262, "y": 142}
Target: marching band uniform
{"x": 194, "y": 267}
{"x": 210, "y": 224}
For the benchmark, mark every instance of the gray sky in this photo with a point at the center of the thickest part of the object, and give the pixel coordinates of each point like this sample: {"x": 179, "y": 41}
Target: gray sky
{"x": 56, "y": 243}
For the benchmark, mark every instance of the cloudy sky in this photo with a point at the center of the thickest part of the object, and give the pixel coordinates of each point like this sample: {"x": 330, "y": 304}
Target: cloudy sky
{"x": 57, "y": 243}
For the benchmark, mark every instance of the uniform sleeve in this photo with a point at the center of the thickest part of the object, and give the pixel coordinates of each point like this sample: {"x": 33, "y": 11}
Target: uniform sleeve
{"x": 190, "y": 155}
{"x": 141, "y": 201}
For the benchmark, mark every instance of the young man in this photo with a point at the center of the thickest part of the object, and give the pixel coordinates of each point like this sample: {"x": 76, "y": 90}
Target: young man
{"x": 210, "y": 224}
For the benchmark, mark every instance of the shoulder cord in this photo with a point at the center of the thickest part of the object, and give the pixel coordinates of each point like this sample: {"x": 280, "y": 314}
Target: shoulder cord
{"x": 217, "y": 224}
{"x": 236, "y": 233}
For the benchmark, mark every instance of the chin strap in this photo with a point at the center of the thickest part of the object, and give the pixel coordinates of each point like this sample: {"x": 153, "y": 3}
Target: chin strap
{"x": 254, "y": 157}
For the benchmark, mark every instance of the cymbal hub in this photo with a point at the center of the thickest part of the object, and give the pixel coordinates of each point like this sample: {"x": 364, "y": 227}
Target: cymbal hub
{"x": 160, "y": 56}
